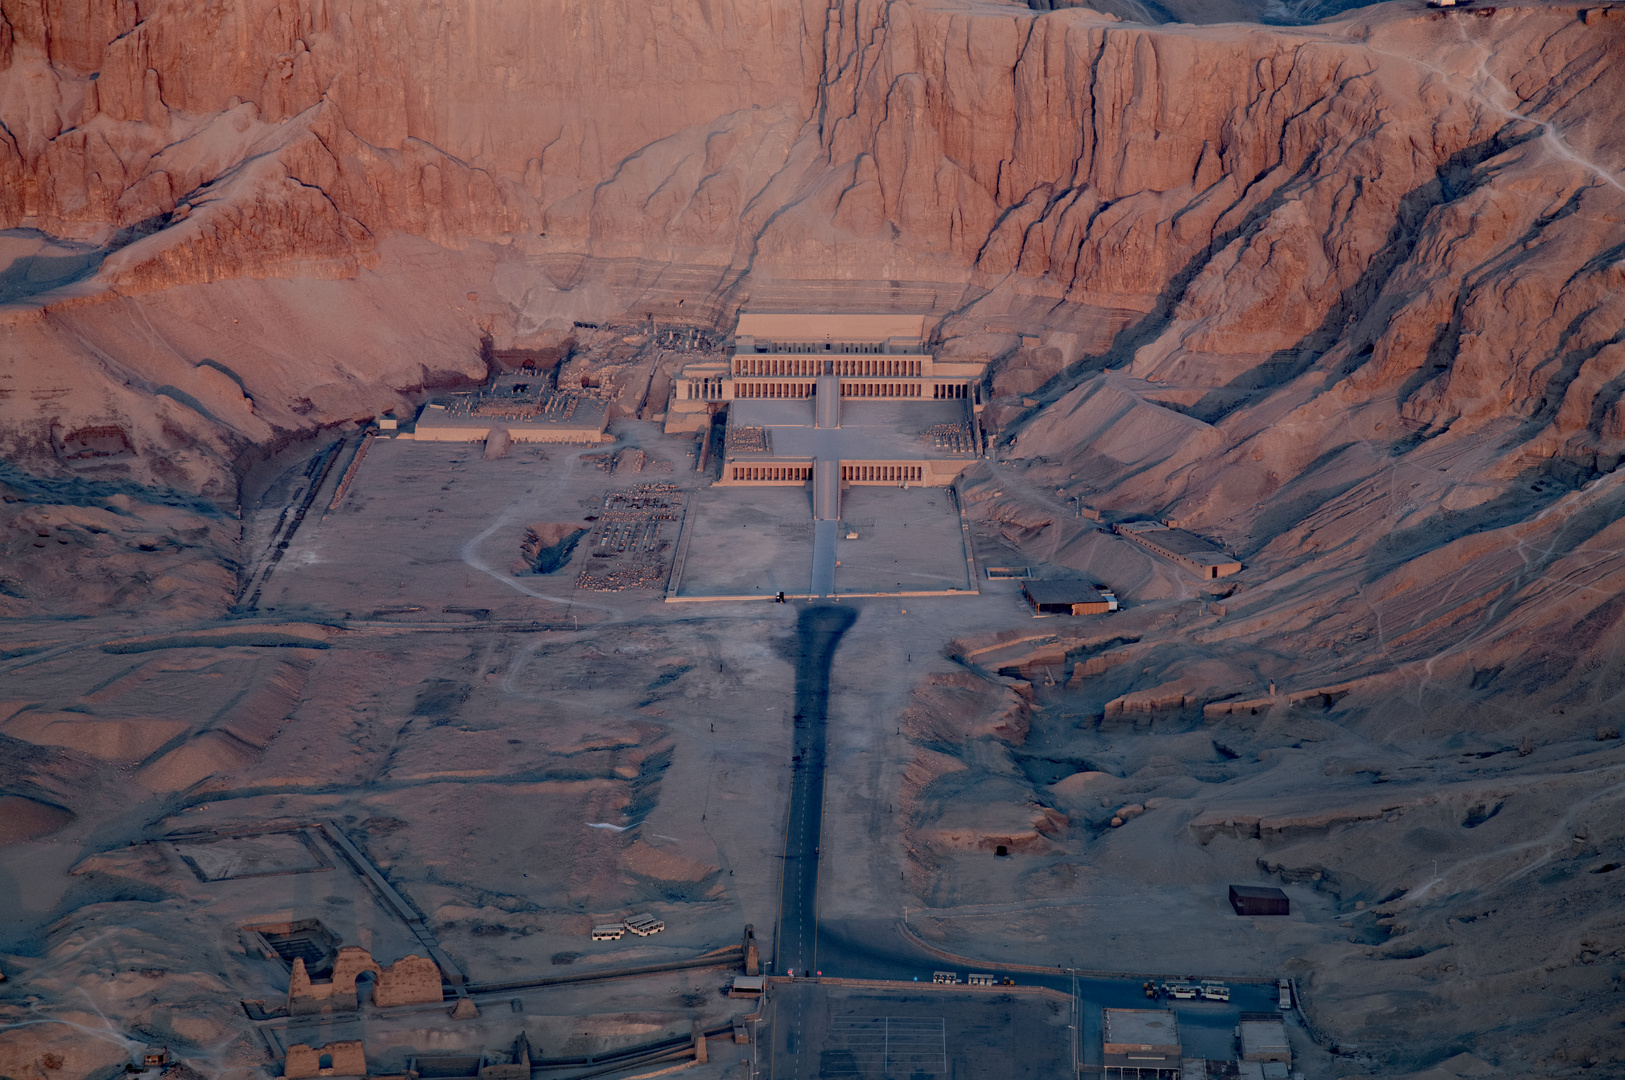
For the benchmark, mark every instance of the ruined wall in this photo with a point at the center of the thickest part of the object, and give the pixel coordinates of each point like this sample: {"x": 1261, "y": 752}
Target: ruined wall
{"x": 344, "y": 1059}
{"x": 411, "y": 980}
{"x": 338, "y": 992}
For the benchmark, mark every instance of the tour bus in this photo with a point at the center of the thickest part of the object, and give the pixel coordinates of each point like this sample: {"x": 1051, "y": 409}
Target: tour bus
{"x": 644, "y": 925}
{"x": 608, "y": 932}
{"x": 1215, "y": 991}
{"x": 1181, "y": 991}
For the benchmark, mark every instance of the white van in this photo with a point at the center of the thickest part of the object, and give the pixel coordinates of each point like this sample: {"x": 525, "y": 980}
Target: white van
{"x": 1285, "y": 987}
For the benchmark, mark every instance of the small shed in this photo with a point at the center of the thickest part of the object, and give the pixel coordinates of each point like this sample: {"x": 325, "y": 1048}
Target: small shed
{"x": 748, "y": 986}
{"x": 1259, "y": 900}
{"x": 1069, "y": 597}
{"x": 1263, "y": 1039}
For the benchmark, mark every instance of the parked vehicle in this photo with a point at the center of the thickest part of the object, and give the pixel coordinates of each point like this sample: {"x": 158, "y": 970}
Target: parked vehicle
{"x": 1215, "y": 991}
{"x": 975, "y": 979}
{"x": 949, "y": 978}
{"x": 1285, "y": 988}
{"x": 608, "y": 932}
{"x": 1181, "y": 991}
{"x": 644, "y": 925}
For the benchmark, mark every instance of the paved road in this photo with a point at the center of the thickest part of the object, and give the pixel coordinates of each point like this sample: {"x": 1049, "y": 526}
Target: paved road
{"x": 877, "y": 950}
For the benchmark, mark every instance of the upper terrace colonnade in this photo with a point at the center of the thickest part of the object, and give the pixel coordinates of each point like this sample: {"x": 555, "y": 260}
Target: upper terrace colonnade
{"x": 785, "y": 355}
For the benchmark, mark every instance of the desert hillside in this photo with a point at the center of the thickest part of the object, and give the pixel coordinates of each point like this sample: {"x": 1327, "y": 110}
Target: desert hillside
{"x": 1342, "y": 289}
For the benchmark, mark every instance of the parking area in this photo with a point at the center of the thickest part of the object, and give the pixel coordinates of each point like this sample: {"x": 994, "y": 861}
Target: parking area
{"x": 863, "y": 1033}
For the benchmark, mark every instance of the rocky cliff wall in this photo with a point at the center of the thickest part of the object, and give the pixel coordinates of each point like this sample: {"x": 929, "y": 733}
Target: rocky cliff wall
{"x": 455, "y": 123}
{"x": 1409, "y": 207}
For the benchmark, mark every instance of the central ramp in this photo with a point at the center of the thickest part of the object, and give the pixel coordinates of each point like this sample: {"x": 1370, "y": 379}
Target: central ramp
{"x": 826, "y": 490}
{"x": 826, "y": 524}
{"x": 827, "y": 402}
{"x": 825, "y": 537}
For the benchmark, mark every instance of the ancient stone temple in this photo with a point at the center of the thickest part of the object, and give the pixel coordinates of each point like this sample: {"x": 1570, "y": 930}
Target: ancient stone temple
{"x": 832, "y": 401}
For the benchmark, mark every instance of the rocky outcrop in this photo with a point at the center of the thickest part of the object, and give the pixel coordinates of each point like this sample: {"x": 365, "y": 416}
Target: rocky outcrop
{"x": 420, "y": 114}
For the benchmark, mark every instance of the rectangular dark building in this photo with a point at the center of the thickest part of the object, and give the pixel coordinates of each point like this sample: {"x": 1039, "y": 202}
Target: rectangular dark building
{"x": 1259, "y": 900}
{"x": 1069, "y": 597}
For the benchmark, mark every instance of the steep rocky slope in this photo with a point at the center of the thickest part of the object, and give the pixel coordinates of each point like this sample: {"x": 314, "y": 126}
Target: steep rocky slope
{"x": 1407, "y": 203}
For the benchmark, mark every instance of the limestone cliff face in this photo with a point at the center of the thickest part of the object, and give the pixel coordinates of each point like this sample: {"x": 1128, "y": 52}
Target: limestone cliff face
{"x": 1414, "y": 208}
{"x": 454, "y": 123}
{"x": 1387, "y": 204}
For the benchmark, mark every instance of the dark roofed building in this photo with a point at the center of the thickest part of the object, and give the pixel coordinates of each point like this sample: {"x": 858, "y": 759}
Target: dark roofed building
{"x": 1069, "y": 597}
{"x": 1259, "y": 900}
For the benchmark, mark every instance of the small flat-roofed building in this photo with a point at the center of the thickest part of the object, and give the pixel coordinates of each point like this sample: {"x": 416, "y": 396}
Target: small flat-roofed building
{"x": 1142, "y": 1044}
{"x": 1187, "y": 549}
{"x": 1069, "y": 597}
{"x": 1259, "y": 900}
{"x": 1263, "y": 1039}
{"x": 748, "y": 986}
{"x": 1261, "y": 1070}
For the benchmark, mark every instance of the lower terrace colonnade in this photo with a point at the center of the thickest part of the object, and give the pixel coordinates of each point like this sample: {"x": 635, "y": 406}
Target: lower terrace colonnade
{"x": 950, "y": 390}
{"x": 772, "y": 473}
{"x": 858, "y": 474}
{"x": 882, "y": 474}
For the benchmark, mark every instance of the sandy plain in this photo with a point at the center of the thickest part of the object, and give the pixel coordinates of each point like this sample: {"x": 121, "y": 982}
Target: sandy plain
{"x": 523, "y": 757}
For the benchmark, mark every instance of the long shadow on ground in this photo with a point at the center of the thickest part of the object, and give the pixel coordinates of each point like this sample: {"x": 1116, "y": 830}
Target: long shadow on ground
{"x": 818, "y": 630}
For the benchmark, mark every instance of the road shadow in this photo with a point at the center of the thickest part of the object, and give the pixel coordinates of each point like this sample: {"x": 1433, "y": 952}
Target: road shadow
{"x": 818, "y": 634}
